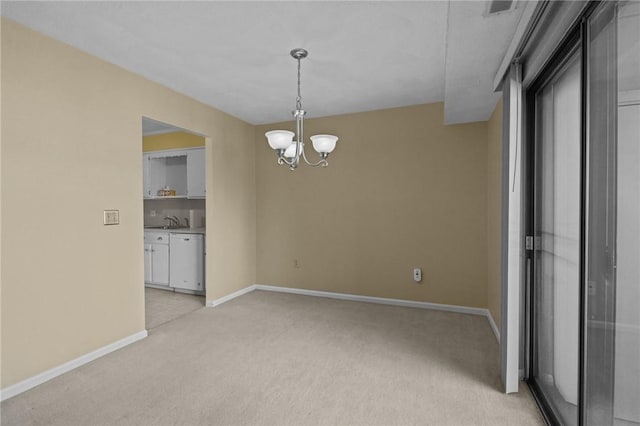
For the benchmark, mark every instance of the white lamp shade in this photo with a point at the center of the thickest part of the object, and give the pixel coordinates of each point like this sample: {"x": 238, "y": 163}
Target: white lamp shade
{"x": 324, "y": 143}
{"x": 279, "y": 139}
{"x": 290, "y": 152}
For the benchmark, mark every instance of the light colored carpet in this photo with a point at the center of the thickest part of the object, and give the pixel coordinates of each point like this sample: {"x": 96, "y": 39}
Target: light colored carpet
{"x": 282, "y": 359}
{"x": 162, "y": 306}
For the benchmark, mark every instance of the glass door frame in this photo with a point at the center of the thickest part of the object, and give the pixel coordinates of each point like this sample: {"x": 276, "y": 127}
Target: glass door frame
{"x": 575, "y": 39}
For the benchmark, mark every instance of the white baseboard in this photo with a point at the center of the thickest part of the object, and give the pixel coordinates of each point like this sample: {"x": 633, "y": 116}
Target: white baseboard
{"x": 38, "y": 379}
{"x": 493, "y": 325}
{"x": 368, "y": 299}
{"x": 220, "y": 301}
{"x": 379, "y": 300}
{"x": 386, "y": 301}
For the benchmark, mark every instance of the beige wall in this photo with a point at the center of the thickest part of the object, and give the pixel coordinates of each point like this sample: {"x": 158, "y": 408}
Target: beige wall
{"x": 71, "y": 147}
{"x": 494, "y": 212}
{"x": 172, "y": 140}
{"x": 402, "y": 191}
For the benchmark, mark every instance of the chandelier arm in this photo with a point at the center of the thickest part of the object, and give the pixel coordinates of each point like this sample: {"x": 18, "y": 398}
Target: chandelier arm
{"x": 322, "y": 162}
{"x": 282, "y": 160}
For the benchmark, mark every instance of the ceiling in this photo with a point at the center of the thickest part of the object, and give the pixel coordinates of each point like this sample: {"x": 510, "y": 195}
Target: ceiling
{"x": 235, "y": 55}
{"x": 628, "y": 47}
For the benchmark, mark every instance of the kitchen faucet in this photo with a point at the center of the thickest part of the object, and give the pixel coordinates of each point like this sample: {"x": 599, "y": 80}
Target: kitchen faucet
{"x": 172, "y": 222}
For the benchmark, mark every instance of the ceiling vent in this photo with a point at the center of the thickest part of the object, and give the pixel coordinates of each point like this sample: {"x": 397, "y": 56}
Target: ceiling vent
{"x": 499, "y": 6}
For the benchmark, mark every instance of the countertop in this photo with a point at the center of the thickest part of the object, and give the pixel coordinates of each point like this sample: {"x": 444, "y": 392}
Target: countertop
{"x": 177, "y": 230}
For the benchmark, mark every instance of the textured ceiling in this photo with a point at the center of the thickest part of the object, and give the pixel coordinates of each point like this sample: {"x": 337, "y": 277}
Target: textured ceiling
{"x": 476, "y": 46}
{"x": 235, "y": 55}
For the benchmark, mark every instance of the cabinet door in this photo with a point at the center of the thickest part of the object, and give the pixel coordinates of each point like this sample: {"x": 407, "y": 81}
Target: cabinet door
{"x": 147, "y": 264}
{"x": 187, "y": 261}
{"x": 157, "y": 174}
{"x": 196, "y": 171}
{"x": 175, "y": 168}
{"x": 146, "y": 179}
{"x": 160, "y": 263}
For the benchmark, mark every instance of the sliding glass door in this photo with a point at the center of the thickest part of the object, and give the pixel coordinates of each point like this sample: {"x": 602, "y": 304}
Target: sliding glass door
{"x": 557, "y": 238}
{"x": 585, "y": 223}
{"x": 612, "y": 262}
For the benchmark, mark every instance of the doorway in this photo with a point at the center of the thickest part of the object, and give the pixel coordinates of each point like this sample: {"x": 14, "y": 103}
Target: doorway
{"x": 584, "y": 222}
{"x": 174, "y": 200}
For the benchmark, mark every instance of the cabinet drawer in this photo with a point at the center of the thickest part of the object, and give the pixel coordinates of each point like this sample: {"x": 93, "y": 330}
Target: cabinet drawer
{"x": 155, "y": 237}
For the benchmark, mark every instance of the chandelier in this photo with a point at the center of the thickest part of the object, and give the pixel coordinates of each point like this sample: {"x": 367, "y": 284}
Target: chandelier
{"x": 288, "y": 150}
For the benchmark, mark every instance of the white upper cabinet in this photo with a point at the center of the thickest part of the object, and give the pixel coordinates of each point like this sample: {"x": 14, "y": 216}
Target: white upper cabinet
{"x": 181, "y": 171}
{"x": 196, "y": 172}
{"x": 146, "y": 182}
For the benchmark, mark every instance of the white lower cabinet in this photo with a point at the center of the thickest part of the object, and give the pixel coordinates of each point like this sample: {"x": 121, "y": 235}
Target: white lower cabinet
{"x": 156, "y": 258}
{"x": 160, "y": 270}
{"x": 186, "y": 270}
{"x": 174, "y": 260}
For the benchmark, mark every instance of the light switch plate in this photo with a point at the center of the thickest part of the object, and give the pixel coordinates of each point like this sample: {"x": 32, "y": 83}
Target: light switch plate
{"x": 111, "y": 217}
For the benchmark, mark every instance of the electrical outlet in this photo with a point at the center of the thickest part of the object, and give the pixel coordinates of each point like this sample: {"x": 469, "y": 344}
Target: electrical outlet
{"x": 417, "y": 275}
{"x": 111, "y": 217}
